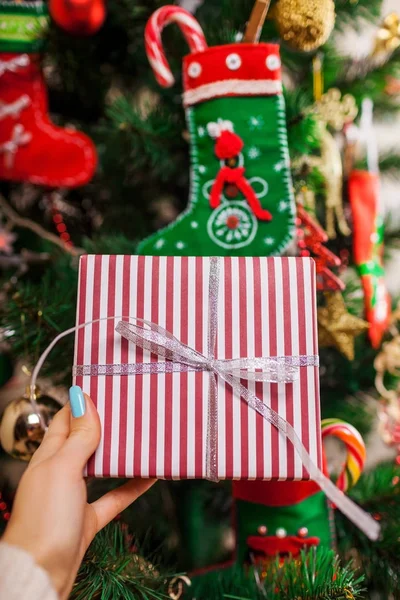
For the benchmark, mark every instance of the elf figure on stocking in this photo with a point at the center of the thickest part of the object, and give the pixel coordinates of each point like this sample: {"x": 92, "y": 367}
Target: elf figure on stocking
{"x": 281, "y": 518}
{"x": 231, "y": 177}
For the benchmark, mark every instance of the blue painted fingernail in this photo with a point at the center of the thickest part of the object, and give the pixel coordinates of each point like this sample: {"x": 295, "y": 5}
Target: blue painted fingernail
{"x": 77, "y": 401}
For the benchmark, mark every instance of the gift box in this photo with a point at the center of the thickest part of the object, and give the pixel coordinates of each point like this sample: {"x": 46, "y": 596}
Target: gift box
{"x": 199, "y": 366}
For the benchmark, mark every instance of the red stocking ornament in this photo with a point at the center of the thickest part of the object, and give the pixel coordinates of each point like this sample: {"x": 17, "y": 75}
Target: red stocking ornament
{"x": 78, "y": 17}
{"x": 368, "y": 231}
{"x": 368, "y": 248}
{"x": 32, "y": 148}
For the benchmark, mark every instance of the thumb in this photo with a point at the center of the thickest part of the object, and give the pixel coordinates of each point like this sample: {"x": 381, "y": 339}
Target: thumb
{"x": 85, "y": 430}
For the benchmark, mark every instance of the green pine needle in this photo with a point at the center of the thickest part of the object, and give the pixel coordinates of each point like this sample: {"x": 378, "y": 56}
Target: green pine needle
{"x": 315, "y": 575}
{"x": 111, "y": 571}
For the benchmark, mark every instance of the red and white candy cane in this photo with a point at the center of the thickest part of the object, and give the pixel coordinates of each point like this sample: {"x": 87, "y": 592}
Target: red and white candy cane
{"x": 190, "y": 28}
{"x": 356, "y": 452}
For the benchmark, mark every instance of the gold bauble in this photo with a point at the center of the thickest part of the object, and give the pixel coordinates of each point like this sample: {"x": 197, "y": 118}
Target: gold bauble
{"x": 305, "y": 24}
{"x": 22, "y": 428}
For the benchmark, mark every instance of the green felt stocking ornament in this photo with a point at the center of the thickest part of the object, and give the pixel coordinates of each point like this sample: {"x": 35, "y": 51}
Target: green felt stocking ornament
{"x": 241, "y": 200}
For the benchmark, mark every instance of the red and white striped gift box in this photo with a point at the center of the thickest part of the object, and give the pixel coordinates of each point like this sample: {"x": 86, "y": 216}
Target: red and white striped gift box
{"x": 155, "y": 425}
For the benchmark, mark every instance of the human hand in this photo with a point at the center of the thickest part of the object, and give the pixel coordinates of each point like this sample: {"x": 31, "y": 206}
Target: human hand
{"x": 51, "y": 518}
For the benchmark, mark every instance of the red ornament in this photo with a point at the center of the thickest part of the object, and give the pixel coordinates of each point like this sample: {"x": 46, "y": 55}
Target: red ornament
{"x": 78, "y": 17}
{"x": 313, "y": 244}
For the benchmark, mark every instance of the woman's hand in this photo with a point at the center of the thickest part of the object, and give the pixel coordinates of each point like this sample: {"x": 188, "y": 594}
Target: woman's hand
{"x": 51, "y": 518}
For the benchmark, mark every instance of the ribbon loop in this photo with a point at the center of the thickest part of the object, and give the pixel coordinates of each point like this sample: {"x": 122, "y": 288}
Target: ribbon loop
{"x": 157, "y": 340}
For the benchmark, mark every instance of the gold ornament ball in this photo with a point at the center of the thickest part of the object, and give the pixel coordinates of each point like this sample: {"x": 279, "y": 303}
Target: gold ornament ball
{"x": 22, "y": 429}
{"x": 305, "y": 24}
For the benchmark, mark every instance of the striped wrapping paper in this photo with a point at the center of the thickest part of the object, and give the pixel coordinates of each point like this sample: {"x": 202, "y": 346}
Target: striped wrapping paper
{"x": 155, "y": 425}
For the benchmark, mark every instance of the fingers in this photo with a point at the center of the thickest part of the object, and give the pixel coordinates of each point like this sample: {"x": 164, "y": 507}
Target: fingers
{"x": 114, "y": 502}
{"x": 55, "y": 436}
{"x": 84, "y": 436}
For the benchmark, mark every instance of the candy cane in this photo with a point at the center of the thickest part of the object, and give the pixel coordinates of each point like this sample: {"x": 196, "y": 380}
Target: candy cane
{"x": 356, "y": 452}
{"x": 190, "y": 28}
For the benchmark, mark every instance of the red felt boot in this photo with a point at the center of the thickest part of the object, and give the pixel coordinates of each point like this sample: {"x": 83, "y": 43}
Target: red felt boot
{"x": 31, "y": 147}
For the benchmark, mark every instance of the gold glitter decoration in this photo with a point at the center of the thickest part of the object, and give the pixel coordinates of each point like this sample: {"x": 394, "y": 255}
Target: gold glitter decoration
{"x": 305, "y": 24}
{"x": 335, "y": 110}
{"x": 387, "y": 361}
{"x": 388, "y": 36}
{"x": 337, "y": 327}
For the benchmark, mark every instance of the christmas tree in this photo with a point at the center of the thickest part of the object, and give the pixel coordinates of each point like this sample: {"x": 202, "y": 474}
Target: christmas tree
{"x": 269, "y": 152}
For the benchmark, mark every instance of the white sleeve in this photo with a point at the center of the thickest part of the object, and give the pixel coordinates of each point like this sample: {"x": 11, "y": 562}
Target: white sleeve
{"x": 21, "y": 578}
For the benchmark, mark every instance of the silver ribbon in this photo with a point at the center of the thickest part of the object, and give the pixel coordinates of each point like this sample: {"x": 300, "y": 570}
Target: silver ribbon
{"x": 179, "y": 358}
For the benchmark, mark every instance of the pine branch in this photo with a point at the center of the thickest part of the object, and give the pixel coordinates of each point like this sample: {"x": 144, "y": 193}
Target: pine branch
{"x": 111, "y": 570}
{"x": 37, "y": 311}
{"x": 355, "y": 13}
{"x": 378, "y": 492}
{"x": 150, "y": 140}
{"x": 316, "y": 575}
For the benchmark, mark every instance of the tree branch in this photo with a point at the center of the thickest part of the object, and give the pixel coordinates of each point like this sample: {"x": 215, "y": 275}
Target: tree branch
{"x": 36, "y": 228}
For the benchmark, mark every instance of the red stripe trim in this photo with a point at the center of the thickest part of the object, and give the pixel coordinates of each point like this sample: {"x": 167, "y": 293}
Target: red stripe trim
{"x": 108, "y": 400}
{"x": 273, "y": 352}
{"x": 155, "y": 281}
{"x": 94, "y": 357}
{"x": 303, "y": 350}
{"x": 288, "y": 351}
{"x": 123, "y": 416}
{"x": 244, "y": 351}
{"x": 80, "y": 338}
{"x": 228, "y": 354}
{"x": 258, "y": 352}
{"x": 183, "y": 446}
{"x": 137, "y": 457}
{"x": 316, "y": 370}
{"x": 169, "y": 320}
{"x": 198, "y": 441}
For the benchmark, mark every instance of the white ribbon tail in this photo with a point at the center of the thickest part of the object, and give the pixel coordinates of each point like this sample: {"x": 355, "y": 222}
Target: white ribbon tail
{"x": 363, "y": 520}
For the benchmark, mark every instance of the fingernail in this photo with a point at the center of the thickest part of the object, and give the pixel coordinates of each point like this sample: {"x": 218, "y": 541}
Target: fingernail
{"x": 77, "y": 401}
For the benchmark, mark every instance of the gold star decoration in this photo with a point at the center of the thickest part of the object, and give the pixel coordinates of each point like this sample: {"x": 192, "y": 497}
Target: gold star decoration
{"x": 337, "y": 327}
{"x": 388, "y": 36}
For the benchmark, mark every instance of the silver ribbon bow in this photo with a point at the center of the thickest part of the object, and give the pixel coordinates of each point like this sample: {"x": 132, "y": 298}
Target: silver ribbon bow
{"x": 180, "y": 357}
